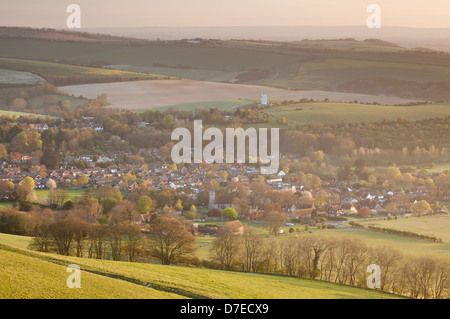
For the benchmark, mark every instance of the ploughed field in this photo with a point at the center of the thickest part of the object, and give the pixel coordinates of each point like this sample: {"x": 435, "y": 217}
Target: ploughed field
{"x": 157, "y": 93}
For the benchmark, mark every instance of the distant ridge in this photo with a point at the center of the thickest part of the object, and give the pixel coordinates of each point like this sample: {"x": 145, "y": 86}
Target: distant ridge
{"x": 431, "y": 38}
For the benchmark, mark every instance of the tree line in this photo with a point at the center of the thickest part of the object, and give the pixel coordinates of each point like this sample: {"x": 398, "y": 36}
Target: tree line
{"x": 341, "y": 261}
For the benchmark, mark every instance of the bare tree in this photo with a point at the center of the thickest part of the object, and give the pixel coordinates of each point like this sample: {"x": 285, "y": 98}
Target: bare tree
{"x": 97, "y": 237}
{"x": 132, "y": 241}
{"x": 225, "y": 247}
{"x": 275, "y": 221}
{"x": 115, "y": 235}
{"x": 251, "y": 252}
{"x": 169, "y": 240}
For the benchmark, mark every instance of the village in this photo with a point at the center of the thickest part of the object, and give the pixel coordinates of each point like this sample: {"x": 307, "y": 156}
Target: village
{"x": 300, "y": 203}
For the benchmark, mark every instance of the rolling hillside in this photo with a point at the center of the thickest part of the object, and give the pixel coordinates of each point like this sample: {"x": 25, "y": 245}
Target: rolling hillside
{"x": 319, "y": 64}
{"x": 37, "y": 275}
{"x": 57, "y": 73}
{"x": 306, "y": 113}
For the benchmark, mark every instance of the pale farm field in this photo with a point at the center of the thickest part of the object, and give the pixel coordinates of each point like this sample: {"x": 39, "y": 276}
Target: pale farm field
{"x": 137, "y": 95}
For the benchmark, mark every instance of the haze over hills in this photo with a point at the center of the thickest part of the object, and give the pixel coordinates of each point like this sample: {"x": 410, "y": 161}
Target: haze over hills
{"x": 432, "y": 38}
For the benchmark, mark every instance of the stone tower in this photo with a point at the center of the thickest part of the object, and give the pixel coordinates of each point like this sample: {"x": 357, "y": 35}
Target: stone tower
{"x": 212, "y": 198}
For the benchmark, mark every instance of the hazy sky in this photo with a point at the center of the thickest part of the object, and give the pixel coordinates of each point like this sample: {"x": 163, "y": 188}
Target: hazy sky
{"x": 141, "y": 13}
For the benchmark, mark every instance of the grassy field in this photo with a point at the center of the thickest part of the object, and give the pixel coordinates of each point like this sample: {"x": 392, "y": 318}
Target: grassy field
{"x": 220, "y": 105}
{"x": 306, "y": 113}
{"x": 19, "y": 114}
{"x": 72, "y": 194}
{"x": 162, "y": 93}
{"x": 193, "y": 74}
{"x": 38, "y": 104}
{"x": 18, "y": 77}
{"x": 439, "y": 167}
{"x": 323, "y": 73}
{"x": 426, "y": 225}
{"x": 304, "y": 64}
{"x": 34, "y": 278}
{"x": 408, "y": 246}
{"x": 47, "y": 69}
{"x": 27, "y": 274}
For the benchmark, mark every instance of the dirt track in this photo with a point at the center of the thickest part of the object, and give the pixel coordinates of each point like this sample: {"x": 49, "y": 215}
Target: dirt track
{"x": 155, "y": 93}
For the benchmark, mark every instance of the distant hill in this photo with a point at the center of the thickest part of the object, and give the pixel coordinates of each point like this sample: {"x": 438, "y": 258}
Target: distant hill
{"x": 344, "y": 64}
{"x": 431, "y": 38}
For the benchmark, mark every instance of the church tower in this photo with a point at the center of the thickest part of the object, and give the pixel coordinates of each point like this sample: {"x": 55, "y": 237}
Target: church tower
{"x": 212, "y": 198}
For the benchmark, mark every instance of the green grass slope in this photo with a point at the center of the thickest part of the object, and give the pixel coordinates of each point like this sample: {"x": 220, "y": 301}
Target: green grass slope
{"x": 220, "y": 105}
{"x": 27, "y": 274}
{"x": 306, "y": 113}
{"x": 304, "y": 64}
{"x": 19, "y": 114}
{"x": 55, "y": 72}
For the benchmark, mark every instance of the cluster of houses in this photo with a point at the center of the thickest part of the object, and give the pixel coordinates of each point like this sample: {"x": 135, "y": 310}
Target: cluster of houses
{"x": 128, "y": 177}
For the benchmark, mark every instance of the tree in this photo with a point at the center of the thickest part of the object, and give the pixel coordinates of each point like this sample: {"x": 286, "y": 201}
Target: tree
{"x": 275, "y": 220}
{"x": 168, "y": 121}
{"x": 321, "y": 198}
{"x": 63, "y": 234}
{"x": 229, "y": 213}
{"x": 170, "y": 241}
{"x": 421, "y": 208}
{"x": 51, "y": 184}
{"x": 19, "y": 104}
{"x": 179, "y": 204}
{"x": 82, "y": 180}
{"x": 215, "y": 212}
{"x": 6, "y": 189}
{"x": 56, "y": 198}
{"x": 115, "y": 237}
{"x": 25, "y": 189}
{"x": 97, "y": 237}
{"x": 252, "y": 250}
{"x": 87, "y": 209}
{"x": 144, "y": 204}
{"x": 3, "y": 152}
{"x": 282, "y": 120}
{"x": 20, "y": 142}
{"x": 132, "y": 241}
{"x": 225, "y": 247}
{"x": 28, "y": 182}
{"x": 312, "y": 181}
{"x": 166, "y": 196}
{"x": 364, "y": 212}
{"x": 80, "y": 228}
{"x": 50, "y": 158}
{"x": 124, "y": 211}
{"x": 34, "y": 141}
{"x": 345, "y": 173}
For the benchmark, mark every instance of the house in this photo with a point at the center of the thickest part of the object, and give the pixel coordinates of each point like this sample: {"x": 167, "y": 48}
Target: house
{"x": 335, "y": 210}
{"x": 255, "y": 213}
{"x": 26, "y": 159}
{"x": 302, "y": 213}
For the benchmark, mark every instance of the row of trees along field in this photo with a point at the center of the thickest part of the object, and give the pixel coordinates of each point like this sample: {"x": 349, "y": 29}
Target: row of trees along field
{"x": 341, "y": 261}
{"x": 76, "y": 232}
{"x": 168, "y": 239}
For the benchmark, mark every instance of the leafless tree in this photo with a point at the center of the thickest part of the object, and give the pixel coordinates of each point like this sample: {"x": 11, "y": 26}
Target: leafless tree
{"x": 170, "y": 241}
